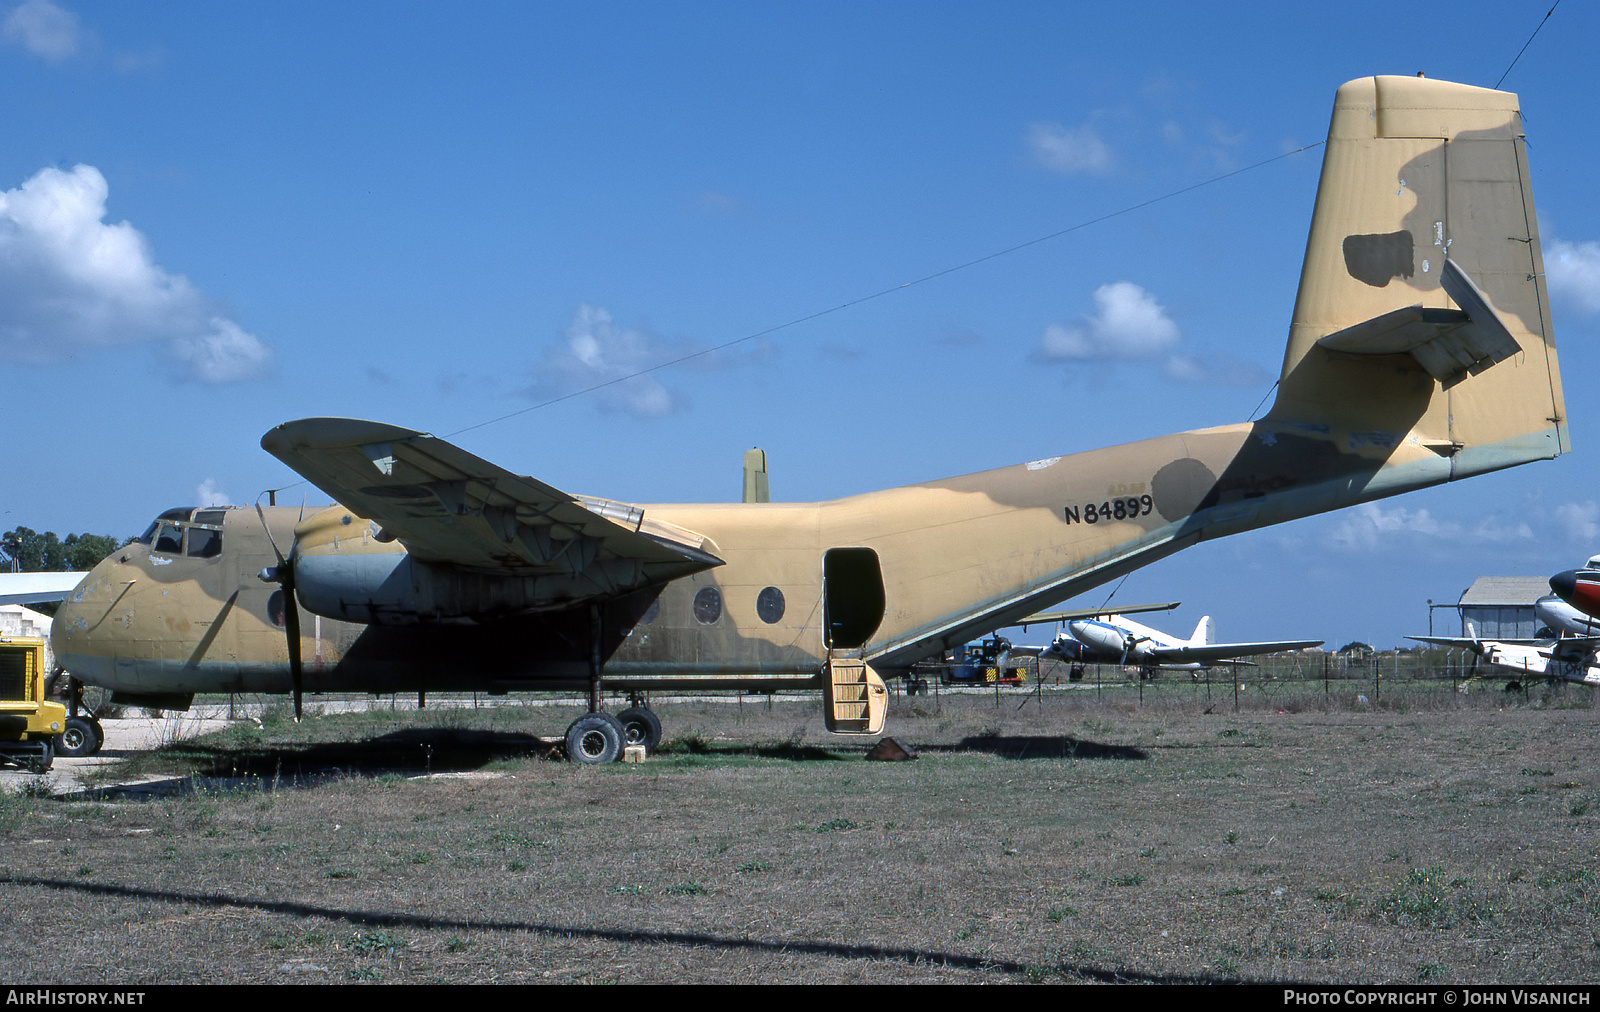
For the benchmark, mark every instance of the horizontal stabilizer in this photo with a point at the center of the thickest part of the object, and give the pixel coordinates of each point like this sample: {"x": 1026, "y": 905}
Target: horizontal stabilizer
{"x": 1448, "y": 343}
{"x": 1051, "y": 617}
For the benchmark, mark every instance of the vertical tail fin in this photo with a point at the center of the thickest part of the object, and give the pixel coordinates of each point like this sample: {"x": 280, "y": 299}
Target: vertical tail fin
{"x": 1205, "y": 633}
{"x": 755, "y": 476}
{"x": 1452, "y": 372}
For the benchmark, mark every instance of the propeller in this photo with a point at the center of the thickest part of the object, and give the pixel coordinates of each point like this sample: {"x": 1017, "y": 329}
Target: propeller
{"x": 283, "y": 575}
{"x": 1129, "y": 641}
{"x": 1002, "y": 656}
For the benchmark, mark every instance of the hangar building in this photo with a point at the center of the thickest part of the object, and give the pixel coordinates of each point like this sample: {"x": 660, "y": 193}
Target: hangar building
{"x": 1501, "y": 607}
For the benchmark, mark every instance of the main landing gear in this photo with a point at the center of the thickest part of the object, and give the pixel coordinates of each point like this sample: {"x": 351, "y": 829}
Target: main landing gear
{"x": 599, "y": 737}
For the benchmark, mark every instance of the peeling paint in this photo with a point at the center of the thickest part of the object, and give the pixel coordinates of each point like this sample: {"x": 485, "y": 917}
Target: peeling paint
{"x": 157, "y": 560}
{"x": 1321, "y": 430}
{"x": 1039, "y": 465}
{"x": 1387, "y": 440}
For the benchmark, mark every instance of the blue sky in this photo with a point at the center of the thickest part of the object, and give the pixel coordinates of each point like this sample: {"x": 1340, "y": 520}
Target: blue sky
{"x": 218, "y": 217}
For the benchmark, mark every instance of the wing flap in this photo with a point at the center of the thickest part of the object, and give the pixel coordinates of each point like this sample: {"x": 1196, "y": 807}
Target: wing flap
{"x": 451, "y": 508}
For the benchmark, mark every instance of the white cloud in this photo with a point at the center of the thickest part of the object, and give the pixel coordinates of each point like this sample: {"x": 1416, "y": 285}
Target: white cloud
{"x": 71, "y": 281}
{"x": 208, "y": 494}
{"x": 1579, "y": 521}
{"x": 1069, "y": 151}
{"x": 223, "y": 354}
{"x": 44, "y": 30}
{"x": 597, "y": 351}
{"x": 1573, "y": 272}
{"x": 1128, "y": 324}
{"x": 1369, "y": 526}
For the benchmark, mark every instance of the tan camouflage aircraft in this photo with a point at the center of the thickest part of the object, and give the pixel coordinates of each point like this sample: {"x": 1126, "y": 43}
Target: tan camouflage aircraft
{"x": 1420, "y": 352}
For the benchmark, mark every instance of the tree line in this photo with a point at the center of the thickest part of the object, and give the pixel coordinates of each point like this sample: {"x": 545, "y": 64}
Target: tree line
{"x": 26, "y": 551}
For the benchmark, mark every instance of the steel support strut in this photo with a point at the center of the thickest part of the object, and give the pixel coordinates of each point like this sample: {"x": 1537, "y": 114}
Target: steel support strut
{"x": 594, "y": 658}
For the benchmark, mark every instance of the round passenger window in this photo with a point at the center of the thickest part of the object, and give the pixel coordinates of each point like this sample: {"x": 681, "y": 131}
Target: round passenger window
{"x": 769, "y": 605}
{"x": 708, "y": 606}
{"x": 651, "y": 612}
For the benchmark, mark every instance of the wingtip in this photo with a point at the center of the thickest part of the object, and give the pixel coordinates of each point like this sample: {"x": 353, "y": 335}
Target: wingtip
{"x": 328, "y": 432}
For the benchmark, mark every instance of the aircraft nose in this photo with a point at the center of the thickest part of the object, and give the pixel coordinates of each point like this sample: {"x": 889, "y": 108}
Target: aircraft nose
{"x": 1565, "y": 584}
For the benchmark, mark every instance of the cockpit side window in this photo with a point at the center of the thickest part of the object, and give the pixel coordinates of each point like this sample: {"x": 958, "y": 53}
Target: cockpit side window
{"x": 170, "y": 539}
{"x": 204, "y": 544}
{"x": 149, "y": 535}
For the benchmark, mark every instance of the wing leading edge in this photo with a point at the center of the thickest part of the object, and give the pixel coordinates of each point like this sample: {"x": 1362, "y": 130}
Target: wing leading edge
{"x": 452, "y": 509}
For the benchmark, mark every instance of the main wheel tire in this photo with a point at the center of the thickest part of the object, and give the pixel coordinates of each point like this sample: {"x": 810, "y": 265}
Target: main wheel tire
{"x": 80, "y": 738}
{"x": 640, "y": 727}
{"x": 595, "y": 738}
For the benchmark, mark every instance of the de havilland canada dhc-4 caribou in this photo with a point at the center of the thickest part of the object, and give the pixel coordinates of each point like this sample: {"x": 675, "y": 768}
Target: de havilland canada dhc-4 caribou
{"x": 1420, "y": 352}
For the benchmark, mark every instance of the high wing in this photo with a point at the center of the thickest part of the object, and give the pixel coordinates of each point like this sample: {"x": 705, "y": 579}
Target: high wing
{"x": 452, "y": 509}
{"x": 1052, "y": 617}
{"x": 28, "y": 588}
{"x": 1209, "y": 652}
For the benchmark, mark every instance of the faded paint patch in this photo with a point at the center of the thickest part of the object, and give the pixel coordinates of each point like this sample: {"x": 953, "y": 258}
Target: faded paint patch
{"x": 1179, "y": 487}
{"x": 1377, "y": 259}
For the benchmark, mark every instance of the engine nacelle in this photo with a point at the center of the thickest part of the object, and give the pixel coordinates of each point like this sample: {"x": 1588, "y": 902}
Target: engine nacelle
{"x": 392, "y": 588}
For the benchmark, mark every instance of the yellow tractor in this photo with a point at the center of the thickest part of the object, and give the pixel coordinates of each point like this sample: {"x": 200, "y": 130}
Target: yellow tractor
{"x": 30, "y": 725}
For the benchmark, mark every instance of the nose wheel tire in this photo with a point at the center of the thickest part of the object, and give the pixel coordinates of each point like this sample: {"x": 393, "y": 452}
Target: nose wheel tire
{"x": 640, "y": 727}
{"x": 595, "y": 738}
{"x": 80, "y": 738}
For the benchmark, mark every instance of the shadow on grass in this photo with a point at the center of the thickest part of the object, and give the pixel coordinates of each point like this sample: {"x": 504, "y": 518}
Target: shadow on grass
{"x": 1041, "y": 747}
{"x": 790, "y": 751}
{"x": 270, "y": 766}
{"x": 684, "y": 939}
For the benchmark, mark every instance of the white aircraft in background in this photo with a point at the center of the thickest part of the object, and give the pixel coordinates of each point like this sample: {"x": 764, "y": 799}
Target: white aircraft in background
{"x": 1571, "y": 658}
{"x": 1116, "y": 639}
{"x": 1563, "y": 619}
{"x": 1574, "y": 655}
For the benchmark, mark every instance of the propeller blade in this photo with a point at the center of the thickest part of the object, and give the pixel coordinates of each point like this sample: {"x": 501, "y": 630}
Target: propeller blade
{"x": 291, "y": 625}
{"x": 283, "y": 575}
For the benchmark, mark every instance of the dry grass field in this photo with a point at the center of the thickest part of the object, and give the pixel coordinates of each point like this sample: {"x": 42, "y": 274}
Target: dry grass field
{"x": 1077, "y": 836}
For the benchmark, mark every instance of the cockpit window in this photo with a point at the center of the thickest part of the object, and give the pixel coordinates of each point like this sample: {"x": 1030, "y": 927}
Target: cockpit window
{"x": 203, "y": 543}
{"x": 170, "y": 539}
{"x": 167, "y": 533}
